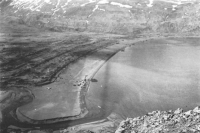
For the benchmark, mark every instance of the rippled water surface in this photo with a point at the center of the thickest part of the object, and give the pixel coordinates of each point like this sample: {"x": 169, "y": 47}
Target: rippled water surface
{"x": 159, "y": 74}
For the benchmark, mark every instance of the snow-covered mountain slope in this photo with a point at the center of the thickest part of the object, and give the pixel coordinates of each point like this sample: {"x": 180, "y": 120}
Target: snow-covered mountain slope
{"x": 116, "y": 16}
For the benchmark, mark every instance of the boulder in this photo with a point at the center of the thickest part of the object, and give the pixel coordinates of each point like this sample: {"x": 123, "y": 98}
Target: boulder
{"x": 178, "y": 111}
{"x": 197, "y": 110}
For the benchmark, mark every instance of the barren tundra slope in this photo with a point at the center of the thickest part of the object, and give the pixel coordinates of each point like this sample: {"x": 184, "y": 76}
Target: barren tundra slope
{"x": 37, "y": 60}
{"x": 113, "y": 16}
{"x": 41, "y": 67}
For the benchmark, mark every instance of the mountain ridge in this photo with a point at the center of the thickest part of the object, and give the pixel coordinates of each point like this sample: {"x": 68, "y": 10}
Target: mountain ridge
{"x": 113, "y": 16}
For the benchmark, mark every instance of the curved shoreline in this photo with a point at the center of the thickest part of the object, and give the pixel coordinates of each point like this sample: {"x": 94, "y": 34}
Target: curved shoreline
{"x": 31, "y": 123}
{"x": 84, "y": 89}
{"x": 99, "y": 121}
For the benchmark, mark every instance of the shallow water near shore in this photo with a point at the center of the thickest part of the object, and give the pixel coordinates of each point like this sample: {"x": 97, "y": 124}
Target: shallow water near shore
{"x": 162, "y": 74}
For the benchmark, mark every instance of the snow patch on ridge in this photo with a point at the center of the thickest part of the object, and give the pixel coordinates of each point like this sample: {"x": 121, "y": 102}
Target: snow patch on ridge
{"x": 173, "y": 7}
{"x": 66, "y": 3}
{"x": 96, "y": 7}
{"x": 150, "y": 3}
{"x": 121, "y": 5}
{"x": 91, "y": 1}
{"x": 47, "y": 1}
{"x": 178, "y": 2}
{"x": 103, "y": 2}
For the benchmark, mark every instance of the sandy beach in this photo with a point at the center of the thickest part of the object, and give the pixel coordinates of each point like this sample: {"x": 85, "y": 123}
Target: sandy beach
{"x": 75, "y": 73}
{"x": 62, "y": 99}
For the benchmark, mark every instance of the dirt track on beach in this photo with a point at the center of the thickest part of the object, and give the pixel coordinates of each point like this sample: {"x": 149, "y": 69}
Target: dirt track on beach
{"x": 32, "y": 66}
{"x": 46, "y": 72}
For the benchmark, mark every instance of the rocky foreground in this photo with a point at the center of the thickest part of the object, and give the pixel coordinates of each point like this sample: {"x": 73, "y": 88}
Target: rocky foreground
{"x": 163, "y": 122}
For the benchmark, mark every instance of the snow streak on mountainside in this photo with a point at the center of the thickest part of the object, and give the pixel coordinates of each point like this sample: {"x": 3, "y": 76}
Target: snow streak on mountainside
{"x": 116, "y": 16}
{"x": 60, "y": 5}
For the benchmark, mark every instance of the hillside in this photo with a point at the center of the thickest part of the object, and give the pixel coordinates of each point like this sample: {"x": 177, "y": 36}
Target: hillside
{"x": 112, "y": 16}
{"x": 51, "y": 49}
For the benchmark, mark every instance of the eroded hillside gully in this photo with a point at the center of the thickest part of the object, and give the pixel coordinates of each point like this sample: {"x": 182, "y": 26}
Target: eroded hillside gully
{"x": 158, "y": 74}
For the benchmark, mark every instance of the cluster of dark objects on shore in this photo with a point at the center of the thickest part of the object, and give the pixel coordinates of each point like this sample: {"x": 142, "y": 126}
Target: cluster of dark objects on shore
{"x": 163, "y": 122}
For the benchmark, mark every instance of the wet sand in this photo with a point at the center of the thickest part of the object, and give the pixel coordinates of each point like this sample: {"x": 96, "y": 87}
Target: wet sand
{"x": 72, "y": 78}
{"x": 61, "y": 100}
{"x": 160, "y": 74}
{"x": 67, "y": 90}
{"x": 120, "y": 99}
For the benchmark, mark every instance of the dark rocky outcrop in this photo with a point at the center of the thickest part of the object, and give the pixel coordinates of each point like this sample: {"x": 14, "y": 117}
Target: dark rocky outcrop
{"x": 162, "y": 121}
{"x": 81, "y": 15}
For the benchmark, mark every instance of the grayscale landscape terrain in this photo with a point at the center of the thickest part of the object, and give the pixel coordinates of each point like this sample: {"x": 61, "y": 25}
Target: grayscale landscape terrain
{"x": 99, "y": 66}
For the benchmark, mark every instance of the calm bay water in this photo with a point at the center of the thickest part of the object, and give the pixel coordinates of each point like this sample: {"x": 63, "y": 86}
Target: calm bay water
{"x": 154, "y": 75}
{"x": 159, "y": 74}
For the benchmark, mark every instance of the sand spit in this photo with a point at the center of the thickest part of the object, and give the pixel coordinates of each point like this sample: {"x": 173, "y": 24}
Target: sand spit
{"x": 99, "y": 51}
{"x": 110, "y": 124}
{"x": 92, "y": 63}
{"x": 54, "y": 64}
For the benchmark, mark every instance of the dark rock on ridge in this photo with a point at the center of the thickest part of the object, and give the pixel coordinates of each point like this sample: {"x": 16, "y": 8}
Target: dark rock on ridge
{"x": 162, "y": 121}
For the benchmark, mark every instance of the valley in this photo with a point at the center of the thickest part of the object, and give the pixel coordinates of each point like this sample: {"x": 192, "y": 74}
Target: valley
{"x": 86, "y": 65}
